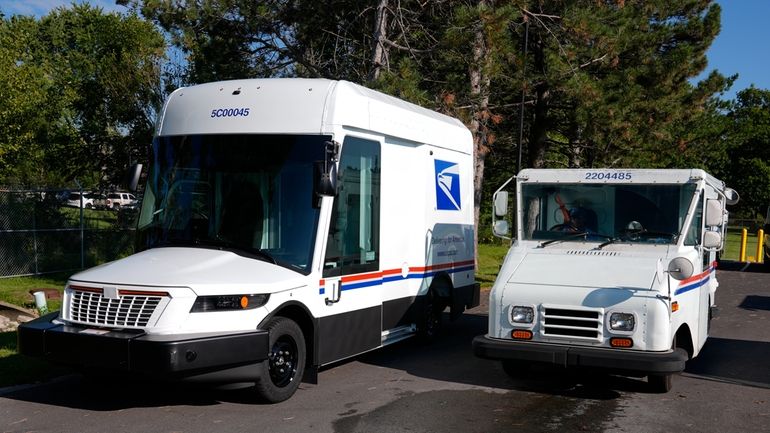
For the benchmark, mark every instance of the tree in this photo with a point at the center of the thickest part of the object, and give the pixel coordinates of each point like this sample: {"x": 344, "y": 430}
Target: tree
{"x": 83, "y": 89}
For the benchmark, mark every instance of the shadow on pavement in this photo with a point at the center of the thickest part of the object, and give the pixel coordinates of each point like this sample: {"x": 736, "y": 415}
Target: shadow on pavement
{"x": 735, "y": 361}
{"x": 754, "y": 303}
{"x": 450, "y": 358}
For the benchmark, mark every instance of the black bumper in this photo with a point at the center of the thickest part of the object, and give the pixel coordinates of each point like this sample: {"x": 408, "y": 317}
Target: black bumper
{"x": 174, "y": 356}
{"x": 615, "y": 360}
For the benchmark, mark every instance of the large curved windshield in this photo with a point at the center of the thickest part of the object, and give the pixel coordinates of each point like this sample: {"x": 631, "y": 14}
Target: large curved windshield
{"x": 608, "y": 212}
{"x": 250, "y": 194}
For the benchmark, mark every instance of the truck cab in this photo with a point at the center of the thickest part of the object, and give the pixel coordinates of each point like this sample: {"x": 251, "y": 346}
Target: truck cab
{"x": 611, "y": 269}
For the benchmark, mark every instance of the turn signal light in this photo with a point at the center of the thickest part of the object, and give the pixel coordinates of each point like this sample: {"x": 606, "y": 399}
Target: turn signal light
{"x": 521, "y": 334}
{"x": 674, "y": 307}
{"x": 621, "y": 342}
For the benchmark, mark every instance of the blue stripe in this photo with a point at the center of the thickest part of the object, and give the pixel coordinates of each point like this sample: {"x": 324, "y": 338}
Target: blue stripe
{"x": 390, "y": 279}
{"x": 693, "y": 286}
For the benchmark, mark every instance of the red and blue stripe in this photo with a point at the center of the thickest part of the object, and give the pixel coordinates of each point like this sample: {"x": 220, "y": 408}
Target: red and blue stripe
{"x": 358, "y": 281}
{"x": 696, "y": 281}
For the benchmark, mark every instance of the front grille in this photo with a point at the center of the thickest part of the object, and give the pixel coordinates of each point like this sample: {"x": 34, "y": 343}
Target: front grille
{"x": 91, "y": 307}
{"x": 562, "y": 322}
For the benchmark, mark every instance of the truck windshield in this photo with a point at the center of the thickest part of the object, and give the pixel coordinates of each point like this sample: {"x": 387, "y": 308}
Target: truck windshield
{"x": 598, "y": 212}
{"x": 250, "y": 194}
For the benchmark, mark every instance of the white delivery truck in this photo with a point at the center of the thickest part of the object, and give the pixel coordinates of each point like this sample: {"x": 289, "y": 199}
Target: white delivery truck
{"x": 286, "y": 224}
{"x": 609, "y": 269}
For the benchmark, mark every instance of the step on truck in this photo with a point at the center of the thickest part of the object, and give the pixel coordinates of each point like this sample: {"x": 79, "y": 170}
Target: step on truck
{"x": 608, "y": 269}
{"x": 285, "y": 224}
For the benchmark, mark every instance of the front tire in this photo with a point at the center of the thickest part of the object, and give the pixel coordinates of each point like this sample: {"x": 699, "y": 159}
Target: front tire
{"x": 281, "y": 374}
{"x": 660, "y": 383}
{"x": 431, "y": 318}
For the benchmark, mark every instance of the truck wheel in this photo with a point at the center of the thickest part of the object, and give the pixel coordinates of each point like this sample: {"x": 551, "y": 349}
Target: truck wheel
{"x": 660, "y": 383}
{"x": 281, "y": 373}
{"x": 431, "y": 318}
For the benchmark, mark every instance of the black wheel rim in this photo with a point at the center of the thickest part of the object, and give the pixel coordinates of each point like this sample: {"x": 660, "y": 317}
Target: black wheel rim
{"x": 283, "y": 361}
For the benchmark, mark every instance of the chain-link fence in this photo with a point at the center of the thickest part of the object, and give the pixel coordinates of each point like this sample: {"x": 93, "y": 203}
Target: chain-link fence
{"x": 46, "y": 231}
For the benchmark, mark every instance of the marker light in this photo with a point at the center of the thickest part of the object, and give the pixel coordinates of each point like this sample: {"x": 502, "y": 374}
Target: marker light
{"x": 521, "y": 334}
{"x": 521, "y": 314}
{"x": 674, "y": 307}
{"x": 621, "y": 342}
{"x": 622, "y": 322}
{"x": 228, "y": 303}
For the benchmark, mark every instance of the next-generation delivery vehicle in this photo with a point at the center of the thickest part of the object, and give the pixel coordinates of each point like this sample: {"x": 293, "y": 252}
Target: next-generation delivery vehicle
{"x": 286, "y": 224}
{"x": 610, "y": 269}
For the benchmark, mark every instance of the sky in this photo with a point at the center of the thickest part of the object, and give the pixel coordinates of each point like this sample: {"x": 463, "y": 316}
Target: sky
{"x": 742, "y": 47}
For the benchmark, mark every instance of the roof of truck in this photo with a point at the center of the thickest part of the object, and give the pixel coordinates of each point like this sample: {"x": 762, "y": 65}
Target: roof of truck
{"x": 618, "y": 175}
{"x": 304, "y": 106}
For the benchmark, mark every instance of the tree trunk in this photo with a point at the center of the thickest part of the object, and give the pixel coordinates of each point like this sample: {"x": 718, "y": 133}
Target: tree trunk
{"x": 379, "y": 52}
{"x": 478, "y": 74}
{"x": 538, "y": 135}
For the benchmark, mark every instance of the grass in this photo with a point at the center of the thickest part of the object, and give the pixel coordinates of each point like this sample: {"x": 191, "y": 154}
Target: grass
{"x": 16, "y": 290}
{"x": 490, "y": 258}
{"x": 733, "y": 245}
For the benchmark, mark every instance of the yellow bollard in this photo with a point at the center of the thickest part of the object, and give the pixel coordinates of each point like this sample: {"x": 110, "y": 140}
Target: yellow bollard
{"x": 760, "y": 252}
{"x": 744, "y": 236}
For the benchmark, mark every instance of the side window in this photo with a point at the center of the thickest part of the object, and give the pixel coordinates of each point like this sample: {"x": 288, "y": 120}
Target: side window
{"x": 695, "y": 229}
{"x": 353, "y": 244}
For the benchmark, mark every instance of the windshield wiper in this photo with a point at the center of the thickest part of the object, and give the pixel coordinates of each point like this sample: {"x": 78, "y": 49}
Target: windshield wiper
{"x": 629, "y": 236}
{"x": 573, "y": 235}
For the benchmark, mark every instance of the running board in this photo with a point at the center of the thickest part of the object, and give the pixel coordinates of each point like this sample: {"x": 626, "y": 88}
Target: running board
{"x": 391, "y": 336}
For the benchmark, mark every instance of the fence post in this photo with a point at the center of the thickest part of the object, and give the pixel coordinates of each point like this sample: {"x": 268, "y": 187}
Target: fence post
{"x": 82, "y": 236}
{"x": 34, "y": 234}
{"x": 744, "y": 236}
{"x": 760, "y": 257}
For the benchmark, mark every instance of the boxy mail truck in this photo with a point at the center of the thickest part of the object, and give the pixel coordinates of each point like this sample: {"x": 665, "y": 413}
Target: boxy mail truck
{"x": 286, "y": 224}
{"x": 609, "y": 269}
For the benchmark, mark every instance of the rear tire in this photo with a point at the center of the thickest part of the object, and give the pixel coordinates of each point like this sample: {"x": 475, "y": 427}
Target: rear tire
{"x": 281, "y": 374}
{"x": 431, "y": 318}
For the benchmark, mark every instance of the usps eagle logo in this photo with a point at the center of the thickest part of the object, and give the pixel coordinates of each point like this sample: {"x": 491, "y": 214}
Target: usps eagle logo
{"x": 447, "y": 185}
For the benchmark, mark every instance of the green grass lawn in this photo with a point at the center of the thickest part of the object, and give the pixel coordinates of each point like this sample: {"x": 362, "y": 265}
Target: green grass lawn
{"x": 733, "y": 245}
{"x": 490, "y": 258}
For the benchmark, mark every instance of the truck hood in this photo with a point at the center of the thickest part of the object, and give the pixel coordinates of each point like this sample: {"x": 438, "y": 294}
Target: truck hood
{"x": 203, "y": 270}
{"x": 592, "y": 269}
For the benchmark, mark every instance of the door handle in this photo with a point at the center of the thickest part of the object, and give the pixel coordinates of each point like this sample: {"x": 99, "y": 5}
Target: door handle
{"x": 336, "y": 293}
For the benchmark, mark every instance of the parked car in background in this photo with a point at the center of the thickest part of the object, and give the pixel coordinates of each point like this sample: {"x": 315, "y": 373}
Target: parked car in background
{"x": 116, "y": 200}
{"x": 90, "y": 200}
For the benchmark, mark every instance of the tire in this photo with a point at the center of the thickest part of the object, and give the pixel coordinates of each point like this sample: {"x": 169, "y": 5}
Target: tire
{"x": 281, "y": 374}
{"x": 430, "y": 326}
{"x": 660, "y": 383}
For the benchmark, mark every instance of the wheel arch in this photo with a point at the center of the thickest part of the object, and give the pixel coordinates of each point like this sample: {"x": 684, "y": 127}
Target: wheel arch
{"x": 299, "y": 313}
{"x": 683, "y": 339}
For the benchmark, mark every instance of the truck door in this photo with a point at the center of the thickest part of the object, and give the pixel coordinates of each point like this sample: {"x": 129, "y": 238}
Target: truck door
{"x": 352, "y": 282}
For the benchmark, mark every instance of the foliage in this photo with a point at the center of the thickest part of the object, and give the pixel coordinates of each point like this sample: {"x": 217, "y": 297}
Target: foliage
{"x": 80, "y": 89}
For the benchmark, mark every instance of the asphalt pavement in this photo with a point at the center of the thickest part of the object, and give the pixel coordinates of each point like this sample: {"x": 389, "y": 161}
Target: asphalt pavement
{"x": 442, "y": 387}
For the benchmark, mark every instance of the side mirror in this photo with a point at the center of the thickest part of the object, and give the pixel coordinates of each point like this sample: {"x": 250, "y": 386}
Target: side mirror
{"x": 712, "y": 240}
{"x": 325, "y": 178}
{"x": 731, "y": 196}
{"x": 680, "y": 268}
{"x": 501, "y": 203}
{"x": 500, "y": 228}
{"x": 131, "y": 181}
{"x": 714, "y": 213}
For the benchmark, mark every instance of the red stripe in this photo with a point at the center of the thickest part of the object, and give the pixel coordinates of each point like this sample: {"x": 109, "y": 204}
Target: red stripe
{"x": 699, "y": 276}
{"x": 87, "y": 289}
{"x": 141, "y": 293}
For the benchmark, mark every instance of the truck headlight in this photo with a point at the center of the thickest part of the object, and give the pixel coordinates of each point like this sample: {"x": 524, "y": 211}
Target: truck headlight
{"x": 228, "y": 303}
{"x": 520, "y": 314}
{"x": 622, "y": 322}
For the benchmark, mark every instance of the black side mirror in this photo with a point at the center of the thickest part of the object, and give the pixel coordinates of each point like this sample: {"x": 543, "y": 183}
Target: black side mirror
{"x": 325, "y": 173}
{"x": 131, "y": 180}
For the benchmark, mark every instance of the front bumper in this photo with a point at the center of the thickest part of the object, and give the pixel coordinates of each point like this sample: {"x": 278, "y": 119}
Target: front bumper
{"x": 173, "y": 356}
{"x": 621, "y": 361}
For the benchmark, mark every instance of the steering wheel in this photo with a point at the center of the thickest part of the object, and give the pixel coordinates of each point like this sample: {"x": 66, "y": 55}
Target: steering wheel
{"x": 563, "y": 227}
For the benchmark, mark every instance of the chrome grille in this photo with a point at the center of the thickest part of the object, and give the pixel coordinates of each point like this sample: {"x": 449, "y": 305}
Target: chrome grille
{"x": 563, "y": 322}
{"x": 91, "y": 307}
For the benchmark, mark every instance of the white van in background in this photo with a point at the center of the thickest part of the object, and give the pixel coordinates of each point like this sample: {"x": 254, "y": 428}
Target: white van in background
{"x": 611, "y": 269}
{"x": 285, "y": 224}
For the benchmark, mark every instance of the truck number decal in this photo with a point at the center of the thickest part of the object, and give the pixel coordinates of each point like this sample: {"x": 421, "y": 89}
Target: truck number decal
{"x": 230, "y": 112}
{"x": 613, "y": 175}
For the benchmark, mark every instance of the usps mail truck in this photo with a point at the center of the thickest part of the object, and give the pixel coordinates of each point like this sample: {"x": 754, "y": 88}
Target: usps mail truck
{"x": 609, "y": 269}
{"x": 286, "y": 224}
